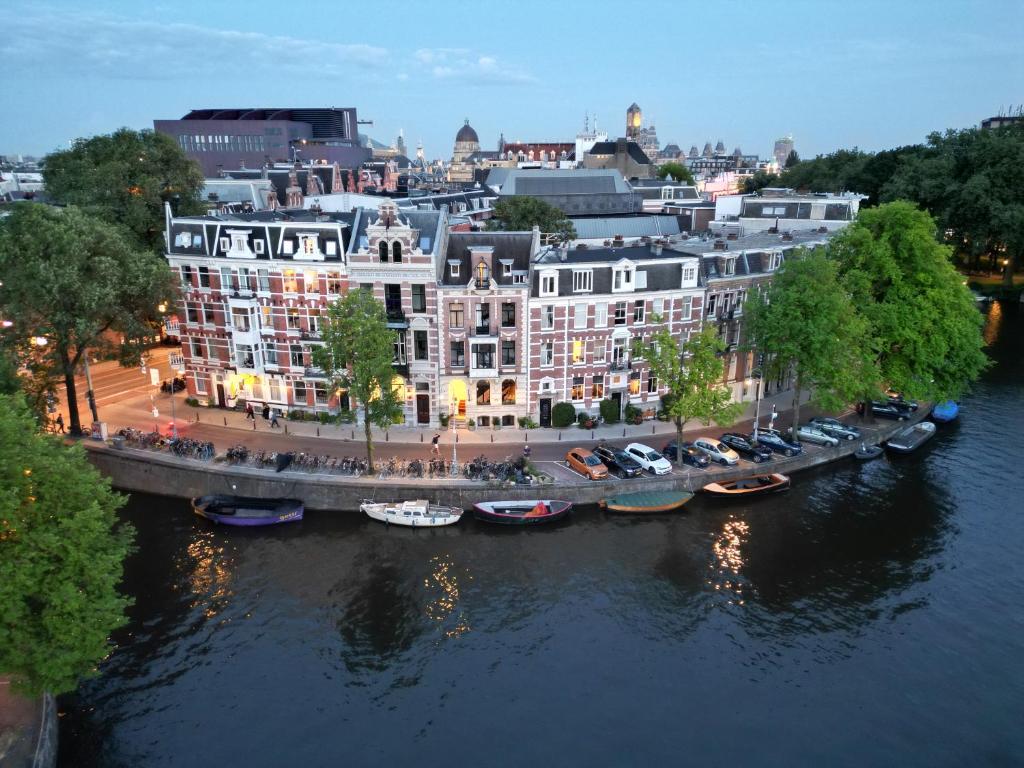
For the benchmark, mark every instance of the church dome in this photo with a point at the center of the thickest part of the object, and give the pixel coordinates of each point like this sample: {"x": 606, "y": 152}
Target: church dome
{"x": 466, "y": 133}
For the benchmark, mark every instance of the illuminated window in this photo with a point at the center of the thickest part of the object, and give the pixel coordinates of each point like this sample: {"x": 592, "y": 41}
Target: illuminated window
{"x": 312, "y": 281}
{"x": 483, "y": 273}
{"x": 483, "y": 393}
{"x": 597, "y": 388}
{"x": 577, "y": 388}
{"x": 290, "y": 281}
{"x": 508, "y": 392}
{"x": 577, "y": 352}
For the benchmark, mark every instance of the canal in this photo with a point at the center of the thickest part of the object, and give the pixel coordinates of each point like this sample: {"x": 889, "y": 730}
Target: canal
{"x": 871, "y": 616}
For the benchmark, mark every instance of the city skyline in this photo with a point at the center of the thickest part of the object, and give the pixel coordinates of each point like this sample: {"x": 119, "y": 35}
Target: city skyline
{"x": 800, "y": 68}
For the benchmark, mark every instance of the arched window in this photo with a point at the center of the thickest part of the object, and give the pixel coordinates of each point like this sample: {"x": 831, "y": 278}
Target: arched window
{"x": 483, "y": 274}
{"x": 396, "y": 251}
{"x": 508, "y": 392}
{"x": 483, "y": 393}
{"x": 382, "y": 248}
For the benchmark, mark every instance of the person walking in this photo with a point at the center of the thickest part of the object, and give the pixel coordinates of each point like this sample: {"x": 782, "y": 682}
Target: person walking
{"x": 249, "y": 414}
{"x": 266, "y": 412}
{"x": 60, "y": 423}
{"x": 273, "y": 419}
{"x": 435, "y": 447}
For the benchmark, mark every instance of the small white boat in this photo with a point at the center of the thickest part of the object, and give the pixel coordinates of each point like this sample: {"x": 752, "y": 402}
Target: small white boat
{"x": 414, "y": 514}
{"x": 911, "y": 438}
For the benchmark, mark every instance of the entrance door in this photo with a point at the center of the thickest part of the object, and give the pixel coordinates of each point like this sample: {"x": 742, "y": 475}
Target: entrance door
{"x": 422, "y": 409}
{"x": 617, "y": 399}
{"x": 545, "y": 412}
{"x": 220, "y": 395}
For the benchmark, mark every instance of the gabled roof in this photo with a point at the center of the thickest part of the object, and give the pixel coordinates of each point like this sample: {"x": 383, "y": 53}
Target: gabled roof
{"x": 562, "y": 182}
{"x": 508, "y": 246}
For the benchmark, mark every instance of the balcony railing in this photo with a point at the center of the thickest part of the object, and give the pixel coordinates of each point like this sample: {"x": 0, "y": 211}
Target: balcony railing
{"x": 483, "y": 330}
{"x": 619, "y": 365}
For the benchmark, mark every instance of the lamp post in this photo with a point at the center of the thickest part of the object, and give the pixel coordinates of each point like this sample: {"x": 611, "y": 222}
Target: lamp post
{"x": 756, "y": 374}
{"x": 455, "y": 437}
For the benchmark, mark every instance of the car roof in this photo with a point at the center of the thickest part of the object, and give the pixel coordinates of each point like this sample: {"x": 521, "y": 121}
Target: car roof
{"x": 581, "y": 451}
{"x": 639, "y": 446}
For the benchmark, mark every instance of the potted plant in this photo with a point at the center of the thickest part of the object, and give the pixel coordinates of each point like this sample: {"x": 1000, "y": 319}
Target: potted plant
{"x": 471, "y": 423}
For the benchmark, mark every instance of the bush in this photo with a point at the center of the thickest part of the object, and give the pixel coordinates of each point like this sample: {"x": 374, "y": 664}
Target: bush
{"x": 324, "y": 417}
{"x": 191, "y": 402}
{"x": 296, "y": 415}
{"x": 346, "y": 416}
{"x": 470, "y": 422}
{"x": 562, "y": 415}
{"x": 445, "y": 420}
{"x": 610, "y": 411}
{"x": 634, "y": 415}
{"x": 525, "y": 422}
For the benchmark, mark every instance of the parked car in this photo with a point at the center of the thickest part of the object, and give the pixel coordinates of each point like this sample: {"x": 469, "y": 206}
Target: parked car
{"x": 896, "y": 398}
{"x": 692, "y": 455}
{"x": 836, "y": 428}
{"x": 778, "y": 443}
{"x": 746, "y": 447}
{"x": 618, "y": 461}
{"x": 586, "y": 463}
{"x": 717, "y": 450}
{"x": 649, "y": 459}
{"x": 813, "y": 434}
{"x": 886, "y": 410}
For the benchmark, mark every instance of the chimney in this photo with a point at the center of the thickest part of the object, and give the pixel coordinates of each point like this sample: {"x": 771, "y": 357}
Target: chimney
{"x": 618, "y": 241}
{"x": 720, "y": 245}
{"x": 656, "y": 248}
{"x": 731, "y": 236}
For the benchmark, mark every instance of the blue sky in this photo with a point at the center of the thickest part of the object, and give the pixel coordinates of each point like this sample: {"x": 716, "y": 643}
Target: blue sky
{"x": 834, "y": 74}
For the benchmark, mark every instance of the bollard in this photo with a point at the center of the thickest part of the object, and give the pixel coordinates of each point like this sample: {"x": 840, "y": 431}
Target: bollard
{"x": 421, "y": 437}
{"x": 197, "y": 417}
{"x": 592, "y": 434}
{"x": 492, "y": 438}
{"x": 225, "y": 421}
{"x": 254, "y": 426}
{"x": 286, "y": 427}
{"x": 353, "y": 433}
{"x": 387, "y": 436}
{"x": 623, "y": 431}
{"x": 456, "y": 437}
{"x": 652, "y": 430}
{"x": 559, "y": 435}
{"x": 318, "y": 431}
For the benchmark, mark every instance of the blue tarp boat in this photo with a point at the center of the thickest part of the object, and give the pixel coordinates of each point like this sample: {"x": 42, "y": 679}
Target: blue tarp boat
{"x": 945, "y": 412}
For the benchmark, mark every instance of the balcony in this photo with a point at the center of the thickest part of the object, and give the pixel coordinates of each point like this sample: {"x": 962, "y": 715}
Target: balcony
{"x": 621, "y": 364}
{"x": 172, "y": 328}
{"x": 402, "y": 369}
{"x": 483, "y": 330}
{"x": 312, "y": 372}
{"x": 396, "y": 316}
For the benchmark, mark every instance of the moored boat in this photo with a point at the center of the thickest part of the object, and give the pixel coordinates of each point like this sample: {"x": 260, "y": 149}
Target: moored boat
{"x": 867, "y": 452}
{"x": 246, "y": 510}
{"x": 527, "y": 512}
{"x": 911, "y": 438}
{"x": 945, "y": 412}
{"x": 759, "y": 485}
{"x": 646, "y": 502}
{"x": 413, "y": 514}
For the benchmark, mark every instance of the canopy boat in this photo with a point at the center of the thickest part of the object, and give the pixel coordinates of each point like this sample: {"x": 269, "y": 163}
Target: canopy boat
{"x": 911, "y": 438}
{"x": 646, "y": 501}
{"x": 759, "y": 485}
{"x": 945, "y": 412}
{"x": 531, "y": 512}
{"x": 867, "y": 452}
{"x": 414, "y": 514}
{"x": 247, "y": 511}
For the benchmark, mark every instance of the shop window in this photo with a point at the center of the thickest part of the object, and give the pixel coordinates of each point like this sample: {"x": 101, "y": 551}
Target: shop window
{"x": 483, "y": 393}
{"x": 508, "y": 392}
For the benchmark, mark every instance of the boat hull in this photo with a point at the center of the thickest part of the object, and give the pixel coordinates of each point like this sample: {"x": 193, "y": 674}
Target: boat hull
{"x": 246, "y": 512}
{"x": 760, "y": 485}
{"x": 911, "y": 438}
{"x": 646, "y": 503}
{"x": 866, "y": 454}
{"x": 397, "y": 514}
{"x": 519, "y": 512}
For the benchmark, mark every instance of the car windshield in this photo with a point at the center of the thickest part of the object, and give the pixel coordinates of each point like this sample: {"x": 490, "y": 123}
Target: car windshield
{"x": 591, "y": 461}
{"x": 653, "y": 455}
{"x": 621, "y": 456}
{"x": 722, "y": 448}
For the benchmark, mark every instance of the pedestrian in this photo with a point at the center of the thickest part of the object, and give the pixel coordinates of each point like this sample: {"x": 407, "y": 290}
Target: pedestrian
{"x": 266, "y": 412}
{"x": 526, "y": 451}
{"x": 249, "y": 414}
{"x": 435, "y": 448}
{"x": 273, "y": 419}
{"x": 60, "y": 423}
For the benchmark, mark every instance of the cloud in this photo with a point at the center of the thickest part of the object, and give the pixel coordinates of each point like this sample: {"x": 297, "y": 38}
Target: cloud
{"x": 470, "y": 67}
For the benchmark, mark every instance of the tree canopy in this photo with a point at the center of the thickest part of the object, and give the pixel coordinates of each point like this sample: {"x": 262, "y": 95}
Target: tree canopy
{"x": 677, "y": 171}
{"x": 357, "y": 354}
{"x": 61, "y": 555}
{"x": 792, "y": 158}
{"x": 125, "y": 178}
{"x": 68, "y": 279}
{"x": 521, "y": 212}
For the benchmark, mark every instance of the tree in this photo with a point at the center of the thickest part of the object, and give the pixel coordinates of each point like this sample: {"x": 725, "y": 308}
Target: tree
{"x": 69, "y": 278}
{"x": 792, "y": 158}
{"x": 923, "y": 331}
{"x": 521, "y": 212}
{"x": 125, "y": 178}
{"x": 805, "y": 323}
{"x": 759, "y": 180}
{"x": 61, "y": 555}
{"x": 692, "y": 373}
{"x": 677, "y": 171}
{"x": 357, "y": 355}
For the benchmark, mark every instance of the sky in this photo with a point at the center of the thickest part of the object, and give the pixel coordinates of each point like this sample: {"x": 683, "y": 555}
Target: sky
{"x": 872, "y": 74}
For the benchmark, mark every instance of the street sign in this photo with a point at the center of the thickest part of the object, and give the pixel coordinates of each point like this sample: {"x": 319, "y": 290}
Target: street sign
{"x": 177, "y": 363}
{"x": 154, "y": 377}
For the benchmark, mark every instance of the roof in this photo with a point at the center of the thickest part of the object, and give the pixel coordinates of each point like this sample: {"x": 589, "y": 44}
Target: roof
{"x": 427, "y": 222}
{"x": 609, "y": 148}
{"x": 626, "y": 226}
{"x": 539, "y": 183}
{"x": 514, "y": 246}
{"x": 755, "y": 241}
{"x": 466, "y": 133}
{"x": 607, "y": 255}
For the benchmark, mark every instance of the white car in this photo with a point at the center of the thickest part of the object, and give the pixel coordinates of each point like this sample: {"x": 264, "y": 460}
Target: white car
{"x": 649, "y": 459}
{"x": 717, "y": 450}
{"x": 814, "y": 434}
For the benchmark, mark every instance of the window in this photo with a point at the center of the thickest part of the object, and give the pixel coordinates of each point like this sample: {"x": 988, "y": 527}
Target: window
{"x": 419, "y": 297}
{"x": 582, "y": 280}
{"x": 209, "y": 316}
{"x": 641, "y": 279}
{"x": 263, "y": 280}
{"x": 622, "y": 279}
{"x": 634, "y": 383}
{"x": 601, "y": 315}
{"x": 333, "y": 283}
{"x": 294, "y": 322}
{"x": 483, "y": 319}
{"x": 419, "y": 345}
{"x": 227, "y": 282}
{"x": 453, "y": 268}
{"x": 396, "y": 252}
{"x": 547, "y": 354}
{"x": 506, "y": 268}
{"x": 508, "y": 352}
{"x": 393, "y": 300}
{"x": 312, "y": 281}
{"x": 458, "y": 354}
{"x": 456, "y": 314}
{"x": 295, "y": 356}
{"x": 597, "y": 387}
{"x": 299, "y": 392}
{"x": 321, "y": 392}
{"x": 687, "y": 307}
{"x": 712, "y": 302}
{"x": 483, "y": 355}
{"x": 483, "y": 393}
{"x": 204, "y": 277}
{"x": 270, "y": 354}
{"x": 579, "y": 316}
{"x": 508, "y": 315}
{"x": 200, "y": 381}
{"x": 652, "y": 384}
{"x": 619, "y": 352}
{"x": 658, "y": 308}
{"x": 382, "y": 250}
{"x": 398, "y": 349}
{"x": 483, "y": 273}
{"x": 186, "y": 276}
{"x": 240, "y": 320}
{"x": 774, "y": 262}
{"x": 599, "y": 350}
{"x": 309, "y": 245}
{"x": 638, "y": 311}
{"x": 577, "y": 352}
{"x": 547, "y": 317}
{"x": 689, "y": 275}
{"x": 197, "y": 348}
{"x": 313, "y": 320}
{"x": 577, "y": 388}
{"x": 508, "y": 392}
{"x": 730, "y": 266}
{"x": 332, "y": 248}
{"x": 191, "y": 313}
{"x": 288, "y": 246}
{"x": 549, "y": 284}
{"x": 225, "y": 243}
{"x": 290, "y": 281}
{"x": 620, "y": 313}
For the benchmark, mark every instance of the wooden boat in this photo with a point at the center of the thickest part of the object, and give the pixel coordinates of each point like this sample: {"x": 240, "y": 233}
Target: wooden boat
{"x": 247, "y": 511}
{"x": 531, "y": 512}
{"x": 646, "y": 502}
{"x": 911, "y": 438}
{"x": 867, "y": 452}
{"x": 414, "y": 514}
{"x": 946, "y": 412}
{"x": 759, "y": 485}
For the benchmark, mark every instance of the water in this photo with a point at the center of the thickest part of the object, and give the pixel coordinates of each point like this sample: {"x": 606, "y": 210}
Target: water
{"x": 871, "y": 616}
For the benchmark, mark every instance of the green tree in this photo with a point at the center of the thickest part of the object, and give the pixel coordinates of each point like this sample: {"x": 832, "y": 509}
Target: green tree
{"x": 759, "y": 180}
{"x": 923, "y": 330}
{"x": 521, "y": 212}
{"x": 805, "y": 323}
{"x": 125, "y": 178}
{"x": 792, "y": 158}
{"x": 357, "y": 354}
{"x": 69, "y": 278}
{"x": 61, "y": 555}
{"x": 677, "y": 171}
{"x": 692, "y": 372}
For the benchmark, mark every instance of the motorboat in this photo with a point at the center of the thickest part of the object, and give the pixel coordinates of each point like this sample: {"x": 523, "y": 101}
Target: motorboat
{"x": 867, "y": 452}
{"x": 527, "y": 512}
{"x": 646, "y": 502}
{"x": 943, "y": 413}
{"x": 759, "y": 485}
{"x": 246, "y": 510}
{"x": 911, "y": 438}
{"x": 413, "y": 514}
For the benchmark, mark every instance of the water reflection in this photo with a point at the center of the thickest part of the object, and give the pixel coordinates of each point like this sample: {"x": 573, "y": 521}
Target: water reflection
{"x": 443, "y": 582}
{"x": 993, "y": 322}
{"x": 727, "y": 567}
{"x": 208, "y": 570}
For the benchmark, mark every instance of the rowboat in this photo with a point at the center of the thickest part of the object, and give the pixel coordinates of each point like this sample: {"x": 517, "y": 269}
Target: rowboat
{"x": 759, "y": 485}
{"x": 646, "y": 501}
{"x": 911, "y": 438}
{"x": 528, "y": 512}
{"x": 945, "y": 412}
{"x": 247, "y": 511}
{"x": 867, "y": 452}
{"x": 414, "y": 514}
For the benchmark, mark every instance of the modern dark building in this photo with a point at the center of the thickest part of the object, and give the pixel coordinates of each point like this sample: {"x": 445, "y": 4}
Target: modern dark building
{"x": 233, "y": 138}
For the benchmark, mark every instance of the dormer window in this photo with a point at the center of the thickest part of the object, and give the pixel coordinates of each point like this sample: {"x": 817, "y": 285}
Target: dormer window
{"x": 453, "y": 268}
{"x": 483, "y": 273}
{"x": 774, "y": 261}
{"x": 309, "y": 245}
{"x": 622, "y": 279}
{"x": 549, "y": 284}
{"x": 729, "y": 267}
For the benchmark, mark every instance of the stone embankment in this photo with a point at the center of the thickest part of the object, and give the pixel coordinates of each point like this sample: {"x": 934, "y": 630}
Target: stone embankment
{"x": 165, "y": 474}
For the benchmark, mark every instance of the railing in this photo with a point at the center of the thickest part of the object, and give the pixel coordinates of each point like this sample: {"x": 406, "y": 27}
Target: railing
{"x": 619, "y": 365}
{"x": 483, "y": 330}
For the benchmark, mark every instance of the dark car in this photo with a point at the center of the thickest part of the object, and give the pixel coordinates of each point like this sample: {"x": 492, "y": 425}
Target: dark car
{"x": 746, "y": 447}
{"x": 618, "y": 461}
{"x": 886, "y": 410}
{"x": 779, "y": 444}
{"x": 899, "y": 400}
{"x": 836, "y": 428}
{"x": 692, "y": 455}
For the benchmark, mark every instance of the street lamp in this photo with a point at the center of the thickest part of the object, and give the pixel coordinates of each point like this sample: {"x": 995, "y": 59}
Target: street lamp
{"x": 455, "y": 436}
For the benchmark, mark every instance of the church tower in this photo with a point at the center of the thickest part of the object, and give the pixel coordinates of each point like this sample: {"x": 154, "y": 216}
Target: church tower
{"x": 634, "y": 121}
